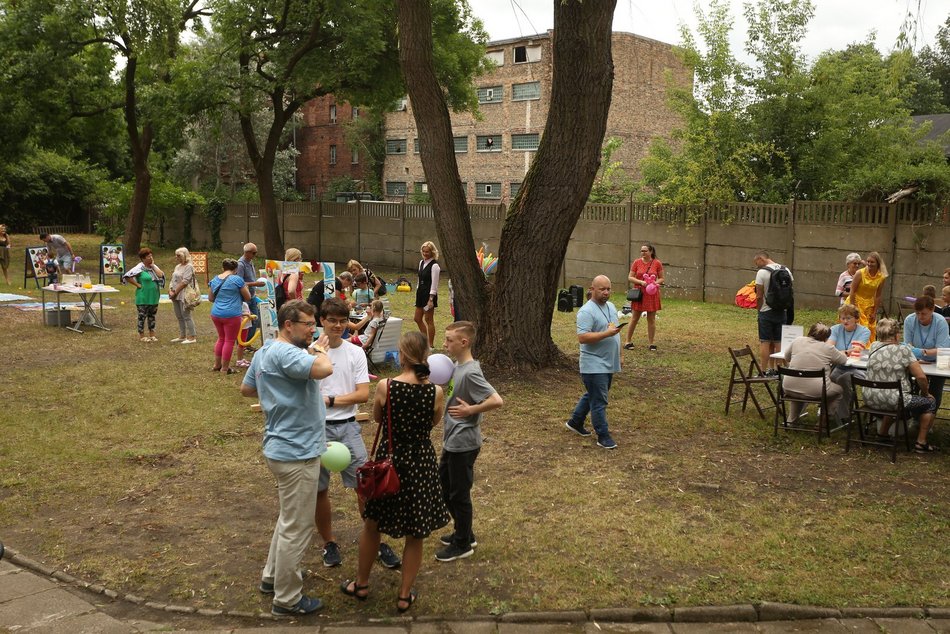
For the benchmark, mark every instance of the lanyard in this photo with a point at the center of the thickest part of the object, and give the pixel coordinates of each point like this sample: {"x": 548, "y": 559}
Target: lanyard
{"x": 923, "y": 342}
{"x": 605, "y": 313}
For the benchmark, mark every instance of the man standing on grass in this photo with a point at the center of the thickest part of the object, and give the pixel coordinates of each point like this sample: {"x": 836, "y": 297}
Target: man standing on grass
{"x": 771, "y": 318}
{"x": 64, "y": 251}
{"x": 248, "y": 273}
{"x": 599, "y": 338}
{"x": 343, "y": 391}
{"x": 285, "y": 376}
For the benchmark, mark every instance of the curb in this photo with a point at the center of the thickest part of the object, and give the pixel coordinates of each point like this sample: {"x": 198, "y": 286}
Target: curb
{"x": 746, "y": 612}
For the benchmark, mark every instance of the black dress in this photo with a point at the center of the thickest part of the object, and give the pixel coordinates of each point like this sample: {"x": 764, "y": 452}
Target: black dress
{"x": 425, "y": 286}
{"x": 418, "y": 508}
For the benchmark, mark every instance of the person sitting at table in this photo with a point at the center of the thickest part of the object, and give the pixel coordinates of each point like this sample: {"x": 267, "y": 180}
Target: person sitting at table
{"x": 811, "y": 352}
{"x": 852, "y": 263}
{"x": 890, "y": 361}
{"x": 377, "y": 283}
{"x": 926, "y": 334}
{"x": 362, "y": 293}
{"x": 945, "y": 311}
{"x": 851, "y": 338}
{"x": 374, "y": 316}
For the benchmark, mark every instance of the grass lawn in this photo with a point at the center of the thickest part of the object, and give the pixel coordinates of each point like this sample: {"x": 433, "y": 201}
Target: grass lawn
{"x": 132, "y": 465}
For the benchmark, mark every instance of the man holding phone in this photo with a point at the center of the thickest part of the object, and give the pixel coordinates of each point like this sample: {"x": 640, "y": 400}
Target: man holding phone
{"x": 599, "y": 336}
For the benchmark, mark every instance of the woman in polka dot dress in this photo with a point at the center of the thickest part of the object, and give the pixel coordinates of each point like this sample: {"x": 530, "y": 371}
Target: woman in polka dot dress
{"x": 417, "y": 509}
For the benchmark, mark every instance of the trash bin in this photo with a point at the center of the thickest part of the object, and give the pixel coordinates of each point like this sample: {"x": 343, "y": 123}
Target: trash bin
{"x": 60, "y": 318}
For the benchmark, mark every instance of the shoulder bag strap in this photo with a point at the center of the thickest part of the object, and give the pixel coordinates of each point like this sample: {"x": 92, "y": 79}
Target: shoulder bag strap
{"x": 379, "y": 427}
{"x": 389, "y": 417}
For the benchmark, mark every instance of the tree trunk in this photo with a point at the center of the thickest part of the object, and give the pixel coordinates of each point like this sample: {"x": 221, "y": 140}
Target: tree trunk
{"x": 263, "y": 163}
{"x": 141, "y": 145}
{"x": 515, "y": 321}
{"x": 140, "y": 193}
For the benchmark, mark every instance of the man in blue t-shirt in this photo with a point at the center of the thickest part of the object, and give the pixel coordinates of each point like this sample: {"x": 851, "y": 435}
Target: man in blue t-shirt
{"x": 285, "y": 376}
{"x": 249, "y": 274}
{"x": 599, "y": 337}
{"x": 926, "y": 336}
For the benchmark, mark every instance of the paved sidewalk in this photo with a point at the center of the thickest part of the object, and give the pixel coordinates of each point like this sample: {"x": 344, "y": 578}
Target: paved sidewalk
{"x": 33, "y": 602}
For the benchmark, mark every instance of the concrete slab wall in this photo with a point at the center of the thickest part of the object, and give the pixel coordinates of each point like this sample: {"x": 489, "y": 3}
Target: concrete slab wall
{"x": 706, "y": 251}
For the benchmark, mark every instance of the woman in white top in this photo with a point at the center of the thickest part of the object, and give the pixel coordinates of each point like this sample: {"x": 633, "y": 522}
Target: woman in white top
{"x": 182, "y": 277}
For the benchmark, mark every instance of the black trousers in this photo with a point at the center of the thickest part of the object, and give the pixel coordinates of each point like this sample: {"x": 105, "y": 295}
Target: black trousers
{"x": 457, "y": 473}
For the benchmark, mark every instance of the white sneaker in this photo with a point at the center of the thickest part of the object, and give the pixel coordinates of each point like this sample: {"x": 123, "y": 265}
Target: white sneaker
{"x": 190, "y": 341}
{"x": 177, "y": 340}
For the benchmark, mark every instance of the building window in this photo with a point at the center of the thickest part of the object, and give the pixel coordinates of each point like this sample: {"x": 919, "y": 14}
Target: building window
{"x": 332, "y": 155}
{"x": 515, "y": 188}
{"x": 313, "y": 193}
{"x": 461, "y": 144}
{"x": 333, "y": 114}
{"x": 523, "y": 92}
{"x": 496, "y": 57}
{"x": 395, "y": 188}
{"x": 415, "y": 145}
{"x": 356, "y": 112}
{"x": 491, "y": 94}
{"x": 354, "y": 156}
{"x": 487, "y": 190}
{"x": 524, "y": 141}
{"x": 524, "y": 54}
{"x": 401, "y": 104}
{"x": 395, "y": 146}
{"x": 421, "y": 188}
{"x": 488, "y": 143}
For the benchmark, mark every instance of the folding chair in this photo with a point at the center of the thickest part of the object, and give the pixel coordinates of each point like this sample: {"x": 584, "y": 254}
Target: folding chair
{"x": 372, "y": 346}
{"x": 859, "y": 412}
{"x": 748, "y": 377}
{"x": 824, "y": 416}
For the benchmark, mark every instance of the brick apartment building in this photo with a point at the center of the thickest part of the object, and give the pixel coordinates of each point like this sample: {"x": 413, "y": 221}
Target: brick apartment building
{"x": 494, "y": 153}
{"x": 324, "y": 154}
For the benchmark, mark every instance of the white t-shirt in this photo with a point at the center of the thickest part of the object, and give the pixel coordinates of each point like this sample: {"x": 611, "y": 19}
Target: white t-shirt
{"x": 763, "y": 278}
{"x": 370, "y": 329}
{"x": 349, "y": 370}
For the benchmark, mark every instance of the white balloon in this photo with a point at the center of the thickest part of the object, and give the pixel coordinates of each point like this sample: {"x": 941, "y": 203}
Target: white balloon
{"x": 441, "y": 369}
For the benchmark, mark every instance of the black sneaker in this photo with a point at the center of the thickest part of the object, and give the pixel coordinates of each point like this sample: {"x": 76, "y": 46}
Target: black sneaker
{"x": 448, "y": 538}
{"x": 387, "y": 557}
{"x": 580, "y": 431}
{"x": 453, "y": 552}
{"x": 266, "y": 587}
{"x": 606, "y": 442}
{"x": 306, "y": 605}
{"x": 331, "y": 555}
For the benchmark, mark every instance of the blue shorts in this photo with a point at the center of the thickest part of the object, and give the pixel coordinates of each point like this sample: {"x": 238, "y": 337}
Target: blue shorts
{"x": 770, "y": 325}
{"x": 349, "y": 435}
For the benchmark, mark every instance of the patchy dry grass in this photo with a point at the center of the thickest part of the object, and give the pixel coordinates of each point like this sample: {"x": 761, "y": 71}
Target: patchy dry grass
{"x": 132, "y": 465}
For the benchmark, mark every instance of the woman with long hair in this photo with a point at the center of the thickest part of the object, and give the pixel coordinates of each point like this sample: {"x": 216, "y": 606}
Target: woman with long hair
{"x": 414, "y": 406}
{"x": 182, "y": 277}
{"x": 427, "y": 291}
{"x": 646, "y": 264}
{"x": 866, "y": 290}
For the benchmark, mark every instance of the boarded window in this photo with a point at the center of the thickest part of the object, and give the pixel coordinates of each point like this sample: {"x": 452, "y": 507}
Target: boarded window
{"x": 515, "y": 188}
{"x": 313, "y": 192}
{"x": 496, "y": 57}
{"x": 415, "y": 146}
{"x": 487, "y": 190}
{"x": 488, "y": 143}
{"x": 332, "y": 155}
{"x": 461, "y": 144}
{"x": 354, "y": 156}
{"x": 524, "y": 141}
{"x": 395, "y": 188}
{"x": 523, "y": 92}
{"x": 421, "y": 188}
{"x": 395, "y": 146}
{"x": 491, "y": 94}
{"x": 333, "y": 114}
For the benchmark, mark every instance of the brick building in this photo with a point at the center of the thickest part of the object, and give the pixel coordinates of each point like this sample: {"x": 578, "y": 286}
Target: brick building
{"x": 324, "y": 154}
{"x": 494, "y": 153}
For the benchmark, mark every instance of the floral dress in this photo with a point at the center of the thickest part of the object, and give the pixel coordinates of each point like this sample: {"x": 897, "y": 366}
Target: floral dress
{"x": 418, "y": 508}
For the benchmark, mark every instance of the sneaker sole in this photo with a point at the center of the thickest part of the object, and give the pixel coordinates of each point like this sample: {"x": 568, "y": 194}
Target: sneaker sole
{"x": 331, "y": 565}
{"x": 607, "y": 448}
{"x": 583, "y": 434}
{"x": 469, "y": 553}
{"x": 474, "y": 545}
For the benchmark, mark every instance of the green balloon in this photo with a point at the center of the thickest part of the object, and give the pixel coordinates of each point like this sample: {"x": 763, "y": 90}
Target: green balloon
{"x": 337, "y": 457}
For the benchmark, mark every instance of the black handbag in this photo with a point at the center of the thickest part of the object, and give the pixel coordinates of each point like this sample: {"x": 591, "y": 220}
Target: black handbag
{"x": 635, "y": 294}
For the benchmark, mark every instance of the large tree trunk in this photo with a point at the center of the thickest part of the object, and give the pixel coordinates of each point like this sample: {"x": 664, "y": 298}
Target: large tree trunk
{"x": 140, "y": 193}
{"x": 515, "y": 321}
{"x": 437, "y": 151}
{"x": 140, "y": 143}
{"x": 263, "y": 163}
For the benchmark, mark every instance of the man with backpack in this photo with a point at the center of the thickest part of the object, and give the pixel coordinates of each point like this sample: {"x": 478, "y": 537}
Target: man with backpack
{"x": 774, "y": 296}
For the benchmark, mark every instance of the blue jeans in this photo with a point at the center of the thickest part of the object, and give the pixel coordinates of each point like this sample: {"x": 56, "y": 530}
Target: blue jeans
{"x": 594, "y": 402}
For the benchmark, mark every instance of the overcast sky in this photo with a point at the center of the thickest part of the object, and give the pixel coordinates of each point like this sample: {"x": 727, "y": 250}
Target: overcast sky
{"x": 836, "y": 23}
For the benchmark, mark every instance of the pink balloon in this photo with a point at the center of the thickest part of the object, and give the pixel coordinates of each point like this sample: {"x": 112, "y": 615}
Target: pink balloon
{"x": 652, "y": 288}
{"x": 441, "y": 369}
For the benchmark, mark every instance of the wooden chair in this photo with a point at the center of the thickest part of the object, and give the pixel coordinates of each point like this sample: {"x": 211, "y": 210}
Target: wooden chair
{"x": 861, "y": 416}
{"x": 825, "y": 414}
{"x": 748, "y": 377}
{"x": 372, "y": 346}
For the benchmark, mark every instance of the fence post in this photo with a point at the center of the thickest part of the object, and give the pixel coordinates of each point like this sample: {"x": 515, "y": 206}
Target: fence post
{"x": 359, "y": 230}
{"x": 402, "y": 242}
{"x": 892, "y": 219}
{"x": 704, "y": 218}
{"x": 790, "y": 236}
{"x": 247, "y": 222}
{"x": 630, "y": 229}
{"x": 283, "y": 226}
{"x": 320, "y": 230}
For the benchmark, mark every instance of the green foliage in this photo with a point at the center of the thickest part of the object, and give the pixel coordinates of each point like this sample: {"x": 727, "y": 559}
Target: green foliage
{"x": 214, "y": 211}
{"x": 366, "y": 134}
{"x": 781, "y": 129}
{"x": 935, "y": 62}
{"x": 114, "y": 200}
{"x": 612, "y": 184}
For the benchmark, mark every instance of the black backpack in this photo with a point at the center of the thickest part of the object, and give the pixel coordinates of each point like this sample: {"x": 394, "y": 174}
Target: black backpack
{"x": 565, "y": 302}
{"x": 780, "y": 295}
{"x": 280, "y": 294}
{"x": 577, "y": 292}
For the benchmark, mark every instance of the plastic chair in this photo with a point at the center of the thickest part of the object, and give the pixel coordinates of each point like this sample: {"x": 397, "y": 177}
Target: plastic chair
{"x": 821, "y": 401}
{"x": 748, "y": 377}
{"x": 859, "y": 412}
{"x": 372, "y": 346}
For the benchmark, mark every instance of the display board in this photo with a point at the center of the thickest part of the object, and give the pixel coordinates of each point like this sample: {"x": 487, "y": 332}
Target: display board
{"x": 199, "y": 261}
{"x": 35, "y": 265}
{"x": 111, "y": 261}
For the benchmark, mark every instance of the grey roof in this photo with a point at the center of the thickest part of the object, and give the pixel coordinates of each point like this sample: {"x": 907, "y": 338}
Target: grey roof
{"x": 941, "y": 124}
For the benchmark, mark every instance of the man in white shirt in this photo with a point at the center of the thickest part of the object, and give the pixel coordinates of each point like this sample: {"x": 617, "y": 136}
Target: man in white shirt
{"x": 770, "y": 319}
{"x": 343, "y": 391}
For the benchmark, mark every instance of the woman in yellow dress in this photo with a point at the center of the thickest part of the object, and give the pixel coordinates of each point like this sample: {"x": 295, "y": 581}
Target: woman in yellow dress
{"x": 866, "y": 291}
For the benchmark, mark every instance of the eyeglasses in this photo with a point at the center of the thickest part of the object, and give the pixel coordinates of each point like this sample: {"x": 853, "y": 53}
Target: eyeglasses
{"x": 308, "y": 324}
{"x": 335, "y": 322}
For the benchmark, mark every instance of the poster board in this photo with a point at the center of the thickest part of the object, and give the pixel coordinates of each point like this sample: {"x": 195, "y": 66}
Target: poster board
{"x": 790, "y": 334}
{"x": 35, "y": 265}
{"x": 329, "y": 279}
{"x": 111, "y": 261}
{"x": 199, "y": 261}
{"x": 266, "y": 307}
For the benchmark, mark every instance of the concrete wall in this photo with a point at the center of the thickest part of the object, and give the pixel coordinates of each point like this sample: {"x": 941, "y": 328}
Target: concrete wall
{"x": 706, "y": 251}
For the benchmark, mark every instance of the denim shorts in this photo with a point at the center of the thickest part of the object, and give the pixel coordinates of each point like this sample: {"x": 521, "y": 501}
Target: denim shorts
{"x": 770, "y": 325}
{"x": 349, "y": 435}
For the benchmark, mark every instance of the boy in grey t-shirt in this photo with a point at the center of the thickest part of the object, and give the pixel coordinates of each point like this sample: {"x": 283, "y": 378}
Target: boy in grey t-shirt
{"x": 468, "y": 396}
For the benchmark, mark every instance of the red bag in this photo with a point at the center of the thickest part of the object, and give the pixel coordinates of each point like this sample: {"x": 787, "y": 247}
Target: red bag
{"x": 378, "y": 478}
{"x": 745, "y": 298}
